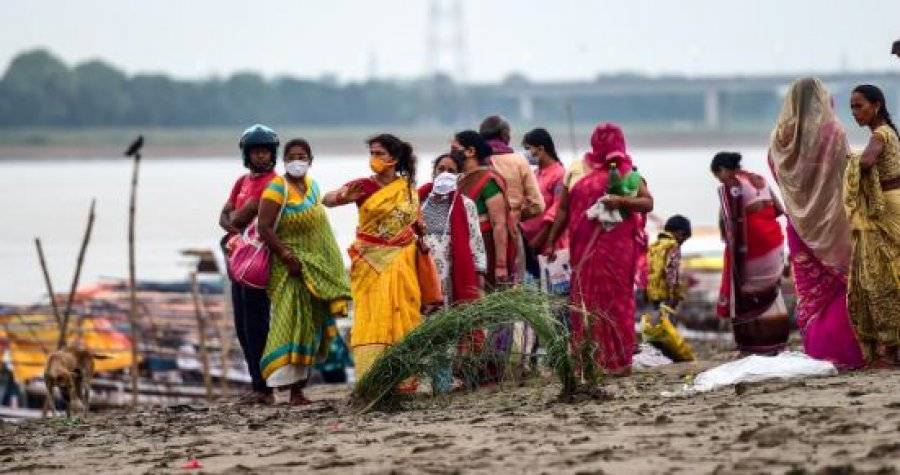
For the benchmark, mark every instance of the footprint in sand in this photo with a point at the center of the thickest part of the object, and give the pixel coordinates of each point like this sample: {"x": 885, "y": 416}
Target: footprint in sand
{"x": 766, "y": 437}
{"x": 847, "y": 428}
{"x": 891, "y": 450}
{"x": 428, "y": 448}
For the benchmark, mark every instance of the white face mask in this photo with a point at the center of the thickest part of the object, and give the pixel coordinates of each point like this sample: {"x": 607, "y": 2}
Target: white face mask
{"x": 296, "y": 168}
{"x": 444, "y": 184}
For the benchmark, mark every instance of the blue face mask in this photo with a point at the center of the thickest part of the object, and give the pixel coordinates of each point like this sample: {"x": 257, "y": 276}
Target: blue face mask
{"x": 533, "y": 160}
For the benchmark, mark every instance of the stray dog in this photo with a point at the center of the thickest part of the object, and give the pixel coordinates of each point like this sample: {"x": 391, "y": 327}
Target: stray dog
{"x": 70, "y": 369}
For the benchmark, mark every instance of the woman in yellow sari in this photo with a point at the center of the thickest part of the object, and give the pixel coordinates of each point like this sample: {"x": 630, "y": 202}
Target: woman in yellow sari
{"x": 383, "y": 279}
{"x": 872, "y": 202}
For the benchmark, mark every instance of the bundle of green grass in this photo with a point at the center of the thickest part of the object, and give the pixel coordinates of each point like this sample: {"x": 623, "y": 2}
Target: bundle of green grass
{"x": 431, "y": 346}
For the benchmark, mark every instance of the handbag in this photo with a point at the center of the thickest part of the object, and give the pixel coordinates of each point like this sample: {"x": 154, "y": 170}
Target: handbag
{"x": 248, "y": 263}
{"x": 429, "y": 279}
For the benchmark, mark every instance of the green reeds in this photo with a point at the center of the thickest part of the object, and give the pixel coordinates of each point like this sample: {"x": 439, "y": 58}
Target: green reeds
{"x": 432, "y": 345}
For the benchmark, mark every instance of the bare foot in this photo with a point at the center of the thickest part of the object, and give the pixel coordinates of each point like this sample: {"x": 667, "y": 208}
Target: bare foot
{"x": 298, "y": 398}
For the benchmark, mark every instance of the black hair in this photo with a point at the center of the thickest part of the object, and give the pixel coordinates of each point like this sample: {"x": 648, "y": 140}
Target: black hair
{"x": 298, "y": 142}
{"x": 442, "y": 156}
{"x": 727, "y": 161}
{"x": 678, "y": 223}
{"x": 400, "y": 150}
{"x": 493, "y": 126}
{"x": 873, "y": 94}
{"x": 470, "y": 138}
{"x": 539, "y": 137}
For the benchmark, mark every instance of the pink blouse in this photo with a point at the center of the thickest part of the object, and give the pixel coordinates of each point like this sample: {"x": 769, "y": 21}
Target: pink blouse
{"x": 550, "y": 184}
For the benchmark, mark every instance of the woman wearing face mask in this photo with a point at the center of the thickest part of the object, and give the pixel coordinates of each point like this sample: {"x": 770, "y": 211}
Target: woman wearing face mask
{"x": 259, "y": 146}
{"x": 487, "y": 189}
{"x": 308, "y": 286}
{"x": 540, "y": 151}
{"x": 452, "y": 234}
{"x": 454, "y": 238}
{"x": 872, "y": 202}
{"x": 386, "y": 295}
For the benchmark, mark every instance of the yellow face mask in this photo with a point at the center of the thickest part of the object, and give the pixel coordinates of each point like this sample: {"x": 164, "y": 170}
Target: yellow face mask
{"x": 377, "y": 164}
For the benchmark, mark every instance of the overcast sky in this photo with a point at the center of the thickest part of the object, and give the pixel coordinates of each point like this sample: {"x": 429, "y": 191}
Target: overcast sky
{"x": 551, "y": 39}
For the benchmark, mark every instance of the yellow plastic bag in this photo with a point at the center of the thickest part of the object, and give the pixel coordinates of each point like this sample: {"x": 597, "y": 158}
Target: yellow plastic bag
{"x": 664, "y": 336}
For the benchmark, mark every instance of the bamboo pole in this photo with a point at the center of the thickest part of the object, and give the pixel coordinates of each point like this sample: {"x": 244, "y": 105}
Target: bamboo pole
{"x": 84, "y": 243}
{"x": 570, "y": 116}
{"x": 224, "y": 334}
{"x": 224, "y": 345}
{"x": 53, "y": 304}
{"x": 133, "y": 150}
{"x": 201, "y": 328}
{"x": 224, "y": 341}
{"x": 225, "y": 352}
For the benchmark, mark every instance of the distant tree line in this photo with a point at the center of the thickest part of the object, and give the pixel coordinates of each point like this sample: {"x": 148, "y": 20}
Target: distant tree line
{"x": 38, "y": 89}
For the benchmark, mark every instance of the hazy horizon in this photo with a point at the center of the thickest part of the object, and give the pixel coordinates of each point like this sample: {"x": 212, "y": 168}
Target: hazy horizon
{"x": 353, "y": 40}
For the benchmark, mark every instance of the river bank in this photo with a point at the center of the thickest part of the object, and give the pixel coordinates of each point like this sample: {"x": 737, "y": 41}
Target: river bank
{"x": 843, "y": 424}
{"x": 96, "y": 143}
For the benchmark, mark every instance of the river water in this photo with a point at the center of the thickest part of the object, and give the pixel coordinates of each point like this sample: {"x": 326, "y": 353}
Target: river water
{"x": 179, "y": 203}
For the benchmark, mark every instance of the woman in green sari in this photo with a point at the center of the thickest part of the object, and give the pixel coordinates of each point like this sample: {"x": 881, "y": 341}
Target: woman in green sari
{"x": 308, "y": 285}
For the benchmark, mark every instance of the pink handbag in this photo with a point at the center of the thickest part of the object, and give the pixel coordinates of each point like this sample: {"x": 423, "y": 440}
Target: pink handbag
{"x": 249, "y": 261}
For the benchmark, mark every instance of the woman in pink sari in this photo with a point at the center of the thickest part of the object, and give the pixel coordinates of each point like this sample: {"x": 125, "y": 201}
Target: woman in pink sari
{"x": 808, "y": 155}
{"x": 603, "y": 255}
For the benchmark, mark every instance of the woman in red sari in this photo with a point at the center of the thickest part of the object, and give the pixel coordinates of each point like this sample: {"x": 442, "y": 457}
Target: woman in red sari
{"x": 487, "y": 189}
{"x": 604, "y": 258}
{"x": 754, "y": 258}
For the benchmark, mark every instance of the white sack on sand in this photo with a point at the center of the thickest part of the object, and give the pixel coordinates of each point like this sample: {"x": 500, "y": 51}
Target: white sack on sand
{"x": 754, "y": 368}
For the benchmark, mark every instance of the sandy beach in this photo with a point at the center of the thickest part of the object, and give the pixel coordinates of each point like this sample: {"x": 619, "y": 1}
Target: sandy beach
{"x": 836, "y": 425}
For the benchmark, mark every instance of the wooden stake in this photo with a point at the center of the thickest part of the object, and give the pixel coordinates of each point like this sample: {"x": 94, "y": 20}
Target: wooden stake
{"x": 132, "y": 285}
{"x": 224, "y": 341}
{"x": 224, "y": 344}
{"x": 84, "y": 243}
{"x": 227, "y": 324}
{"x": 201, "y": 328}
{"x": 40, "y": 251}
{"x": 571, "y": 119}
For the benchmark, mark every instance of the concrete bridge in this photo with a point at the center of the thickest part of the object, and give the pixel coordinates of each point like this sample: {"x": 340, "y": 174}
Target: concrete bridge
{"x": 711, "y": 89}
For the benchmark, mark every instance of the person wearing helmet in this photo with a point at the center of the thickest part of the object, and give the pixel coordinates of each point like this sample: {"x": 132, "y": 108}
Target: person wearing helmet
{"x": 259, "y": 149}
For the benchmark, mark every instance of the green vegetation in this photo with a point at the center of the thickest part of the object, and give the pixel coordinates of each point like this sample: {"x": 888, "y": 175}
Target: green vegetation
{"x": 39, "y": 90}
{"x": 430, "y": 346}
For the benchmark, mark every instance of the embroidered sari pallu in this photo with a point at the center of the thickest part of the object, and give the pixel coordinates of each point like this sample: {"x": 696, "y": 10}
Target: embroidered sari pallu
{"x": 386, "y": 295}
{"x": 874, "y": 283}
